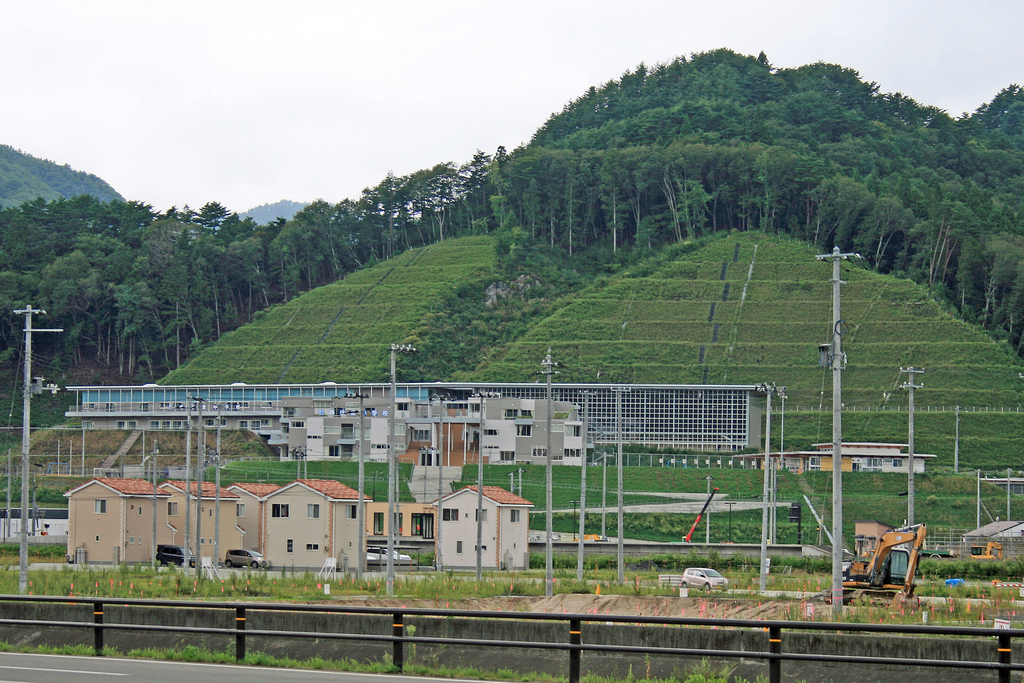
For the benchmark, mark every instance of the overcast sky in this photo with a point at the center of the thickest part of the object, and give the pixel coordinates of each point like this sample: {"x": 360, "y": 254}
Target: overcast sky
{"x": 247, "y": 103}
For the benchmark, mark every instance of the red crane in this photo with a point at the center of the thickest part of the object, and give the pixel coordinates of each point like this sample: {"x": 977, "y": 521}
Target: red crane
{"x": 700, "y": 516}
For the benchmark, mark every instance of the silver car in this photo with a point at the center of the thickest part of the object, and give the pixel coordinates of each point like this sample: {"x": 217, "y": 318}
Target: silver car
{"x": 245, "y": 558}
{"x": 703, "y": 577}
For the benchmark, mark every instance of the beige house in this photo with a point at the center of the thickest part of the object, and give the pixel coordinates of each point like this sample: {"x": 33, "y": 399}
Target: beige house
{"x": 112, "y": 520}
{"x": 505, "y": 530}
{"x": 415, "y": 523}
{"x": 230, "y": 536}
{"x": 308, "y": 521}
{"x": 249, "y": 513}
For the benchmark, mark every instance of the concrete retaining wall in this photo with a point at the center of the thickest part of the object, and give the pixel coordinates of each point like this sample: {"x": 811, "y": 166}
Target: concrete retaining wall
{"x": 889, "y": 649}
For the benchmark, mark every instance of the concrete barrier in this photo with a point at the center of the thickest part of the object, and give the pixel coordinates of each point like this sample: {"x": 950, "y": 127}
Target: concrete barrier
{"x": 890, "y": 650}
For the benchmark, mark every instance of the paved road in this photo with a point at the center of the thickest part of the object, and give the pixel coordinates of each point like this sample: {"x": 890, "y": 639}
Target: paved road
{"x": 33, "y": 668}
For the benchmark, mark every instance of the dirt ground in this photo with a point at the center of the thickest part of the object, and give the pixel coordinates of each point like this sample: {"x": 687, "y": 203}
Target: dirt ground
{"x": 571, "y": 603}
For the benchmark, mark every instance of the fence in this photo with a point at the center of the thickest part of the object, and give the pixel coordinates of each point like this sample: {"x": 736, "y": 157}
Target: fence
{"x": 766, "y": 637}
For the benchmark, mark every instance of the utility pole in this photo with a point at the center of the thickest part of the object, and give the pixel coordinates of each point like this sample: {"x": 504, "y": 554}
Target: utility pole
{"x": 583, "y": 490}
{"x": 769, "y": 390}
{"x": 361, "y": 501}
{"x": 440, "y": 477}
{"x": 393, "y": 469}
{"x": 549, "y": 577}
{"x": 480, "y": 491}
{"x": 834, "y": 355}
{"x": 956, "y": 445}
{"x": 216, "y": 494}
{"x": 910, "y": 386}
{"x": 28, "y": 389}
{"x": 620, "y": 550}
{"x": 188, "y": 479}
{"x": 200, "y": 465}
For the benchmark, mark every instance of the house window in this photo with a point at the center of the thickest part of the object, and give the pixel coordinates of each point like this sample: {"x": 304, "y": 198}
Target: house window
{"x": 351, "y": 511}
{"x": 131, "y": 540}
{"x": 814, "y": 463}
{"x": 513, "y": 516}
{"x": 313, "y": 511}
{"x": 279, "y": 510}
{"x": 333, "y": 451}
{"x": 290, "y": 546}
{"x": 172, "y": 509}
{"x": 524, "y": 430}
{"x": 575, "y": 430}
{"x": 540, "y": 452}
{"x": 99, "y": 506}
{"x": 140, "y": 511}
{"x": 244, "y": 424}
{"x": 299, "y": 424}
{"x": 419, "y": 434}
{"x": 312, "y": 546}
{"x": 490, "y": 432}
{"x": 897, "y": 463}
{"x": 526, "y": 413}
{"x": 378, "y": 523}
{"x": 507, "y": 456}
{"x": 458, "y": 546}
{"x": 511, "y": 413}
{"x": 482, "y": 517}
{"x": 239, "y": 509}
{"x": 450, "y": 515}
{"x": 571, "y": 452}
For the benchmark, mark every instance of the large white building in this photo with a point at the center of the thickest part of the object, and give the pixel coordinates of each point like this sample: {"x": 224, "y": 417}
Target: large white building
{"x": 506, "y": 422}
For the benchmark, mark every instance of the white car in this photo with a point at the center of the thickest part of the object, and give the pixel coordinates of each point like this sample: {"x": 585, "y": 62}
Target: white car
{"x": 381, "y": 555}
{"x": 702, "y": 577}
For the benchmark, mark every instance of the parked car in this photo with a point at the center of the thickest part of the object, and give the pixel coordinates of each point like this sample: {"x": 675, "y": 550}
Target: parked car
{"x": 172, "y": 554}
{"x": 245, "y": 558}
{"x": 381, "y": 555}
{"x": 702, "y": 577}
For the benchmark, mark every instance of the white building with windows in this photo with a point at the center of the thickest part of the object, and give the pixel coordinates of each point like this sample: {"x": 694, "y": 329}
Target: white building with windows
{"x": 457, "y": 422}
{"x": 505, "y": 529}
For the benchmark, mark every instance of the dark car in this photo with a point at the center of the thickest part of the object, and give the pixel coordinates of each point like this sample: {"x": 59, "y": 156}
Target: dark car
{"x": 244, "y": 558}
{"x": 172, "y": 554}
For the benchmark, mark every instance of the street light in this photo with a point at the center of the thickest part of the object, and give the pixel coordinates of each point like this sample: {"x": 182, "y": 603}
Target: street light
{"x": 361, "y": 486}
{"x": 393, "y": 468}
{"x": 548, "y": 366}
{"x": 483, "y": 396}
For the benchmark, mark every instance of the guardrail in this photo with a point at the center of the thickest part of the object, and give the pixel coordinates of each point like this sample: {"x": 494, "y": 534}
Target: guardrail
{"x": 572, "y": 644}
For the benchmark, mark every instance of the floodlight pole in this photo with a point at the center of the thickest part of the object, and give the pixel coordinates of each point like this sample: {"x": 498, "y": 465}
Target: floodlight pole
{"x": 393, "y": 469}
{"x": 549, "y": 576}
{"x": 26, "y": 414}
{"x": 910, "y": 386}
{"x": 769, "y": 390}
{"x": 837, "y": 361}
{"x": 583, "y": 490}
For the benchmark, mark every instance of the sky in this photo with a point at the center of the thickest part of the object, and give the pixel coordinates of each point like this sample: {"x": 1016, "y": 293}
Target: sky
{"x": 248, "y": 103}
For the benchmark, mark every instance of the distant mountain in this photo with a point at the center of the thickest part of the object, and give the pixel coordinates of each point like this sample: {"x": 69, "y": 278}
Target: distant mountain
{"x": 24, "y": 177}
{"x": 267, "y": 213}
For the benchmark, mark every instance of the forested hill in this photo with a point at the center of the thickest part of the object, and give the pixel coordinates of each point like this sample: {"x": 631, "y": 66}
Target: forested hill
{"x": 24, "y": 178}
{"x": 663, "y": 156}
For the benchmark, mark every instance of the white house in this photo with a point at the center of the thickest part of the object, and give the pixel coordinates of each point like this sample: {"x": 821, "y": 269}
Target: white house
{"x": 505, "y": 529}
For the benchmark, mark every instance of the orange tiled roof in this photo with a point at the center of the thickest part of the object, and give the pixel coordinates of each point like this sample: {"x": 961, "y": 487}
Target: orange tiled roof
{"x": 128, "y": 487}
{"x": 333, "y": 489}
{"x": 209, "y": 489}
{"x": 500, "y": 495}
{"x": 258, "y": 490}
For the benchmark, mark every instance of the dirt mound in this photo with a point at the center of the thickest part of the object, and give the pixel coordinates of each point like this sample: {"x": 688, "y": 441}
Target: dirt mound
{"x": 572, "y": 603}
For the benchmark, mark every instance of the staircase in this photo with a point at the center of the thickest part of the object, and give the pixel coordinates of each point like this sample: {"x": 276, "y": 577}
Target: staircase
{"x": 423, "y": 484}
{"x": 127, "y": 446}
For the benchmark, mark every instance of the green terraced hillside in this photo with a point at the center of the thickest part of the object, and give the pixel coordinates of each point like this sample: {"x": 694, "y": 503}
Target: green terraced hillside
{"x": 742, "y": 308}
{"x": 343, "y": 331}
{"x": 749, "y": 308}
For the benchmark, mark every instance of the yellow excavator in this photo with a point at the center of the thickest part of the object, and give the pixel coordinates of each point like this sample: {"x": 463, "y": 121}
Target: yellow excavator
{"x": 889, "y": 573}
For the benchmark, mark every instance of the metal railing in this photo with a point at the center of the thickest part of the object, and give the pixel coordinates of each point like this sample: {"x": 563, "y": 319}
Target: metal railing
{"x": 572, "y": 644}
